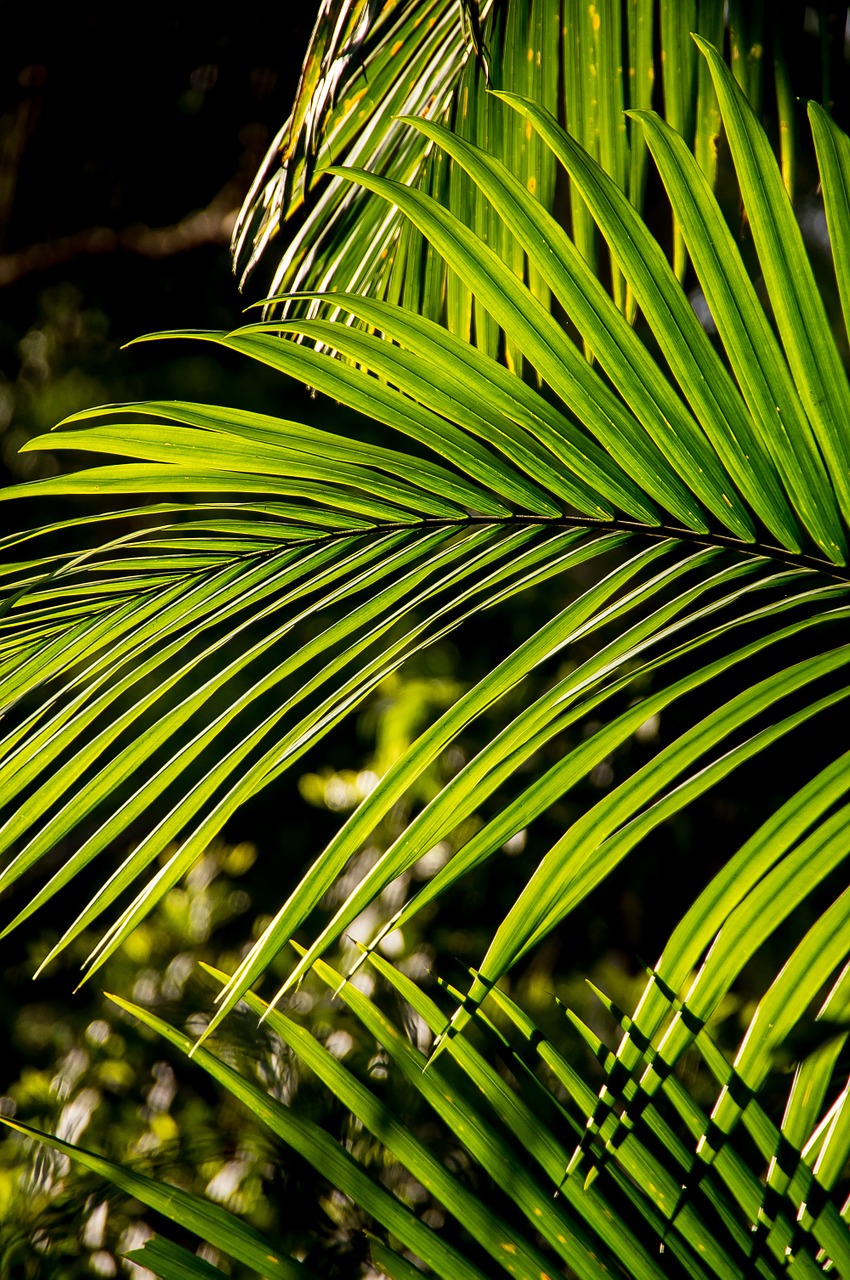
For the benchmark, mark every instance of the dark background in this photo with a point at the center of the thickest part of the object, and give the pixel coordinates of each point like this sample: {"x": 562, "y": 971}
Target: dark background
{"x": 126, "y": 148}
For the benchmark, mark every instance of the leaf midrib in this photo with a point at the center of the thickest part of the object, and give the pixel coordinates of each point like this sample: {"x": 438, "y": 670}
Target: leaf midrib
{"x": 760, "y": 550}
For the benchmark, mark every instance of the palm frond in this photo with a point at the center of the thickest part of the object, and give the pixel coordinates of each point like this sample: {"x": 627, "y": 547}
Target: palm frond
{"x": 659, "y": 1183}
{"x": 208, "y": 1221}
{"x": 518, "y": 491}
{"x": 315, "y": 564}
{"x": 171, "y": 1261}
{"x": 370, "y": 64}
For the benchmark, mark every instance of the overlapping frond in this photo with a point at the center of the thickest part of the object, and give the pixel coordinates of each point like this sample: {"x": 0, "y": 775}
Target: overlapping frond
{"x": 517, "y": 1105}
{"x": 370, "y": 64}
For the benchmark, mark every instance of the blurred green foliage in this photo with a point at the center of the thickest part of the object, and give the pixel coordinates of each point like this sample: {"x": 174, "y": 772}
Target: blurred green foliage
{"x": 91, "y": 1077}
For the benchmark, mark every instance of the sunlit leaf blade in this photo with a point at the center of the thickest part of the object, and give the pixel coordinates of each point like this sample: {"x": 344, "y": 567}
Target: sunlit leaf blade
{"x": 715, "y": 400}
{"x": 512, "y": 450}
{"x": 679, "y": 64}
{"x": 555, "y": 357}
{"x": 779, "y": 1010}
{"x": 398, "y": 367}
{"x": 730, "y": 1187}
{"x": 190, "y": 450}
{"x": 706, "y": 140}
{"x": 478, "y": 779}
{"x": 571, "y": 622}
{"x": 640, "y": 79}
{"x": 284, "y": 440}
{"x": 152, "y": 478}
{"x": 515, "y": 1110}
{"x": 786, "y": 109}
{"x": 531, "y": 802}
{"x": 677, "y": 494}
{"x": 510, "y": 403}
{"x": 593, "y": 845}
{"x": 797, "y": 305}
{"x": 773, "y": 899}
{"x": 370, "y": 64}
{"x": 550, "y": 715}
{"x": 509, "y": 1105}
{"x": 636, "y": 376}
{"x": 754, "y": 355}
{"x": 285, "y": 750}
{"x": 484, "y": 1223}
{"x": 606, "y": 84}
{"x": 488, "y": 1143}
{"x": 577, "y": 110}
{"x": 361, "y": 71}
{"x": 326, "y": 1155}
{"x": 208, "y": 1221}
{"x": 833, "y": 153}
{"x": 171, "y": 1261}
{"x": 641, "y": 1164}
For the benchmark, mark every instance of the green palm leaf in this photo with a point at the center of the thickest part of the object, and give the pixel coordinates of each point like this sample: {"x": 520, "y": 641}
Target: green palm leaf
{"x": 171, "y": 1261}
{"x": 209, "y": 1221}
{"x": 315, "y": 564}
{"x": 383, "y": 528}
{"x": 370, "y": 64}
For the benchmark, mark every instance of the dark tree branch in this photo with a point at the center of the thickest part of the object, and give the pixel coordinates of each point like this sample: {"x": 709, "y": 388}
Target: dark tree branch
{"x": 212, "y": 225}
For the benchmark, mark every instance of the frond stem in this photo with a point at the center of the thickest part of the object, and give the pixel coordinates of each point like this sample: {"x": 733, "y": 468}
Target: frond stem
{"x": 761, "y": 550}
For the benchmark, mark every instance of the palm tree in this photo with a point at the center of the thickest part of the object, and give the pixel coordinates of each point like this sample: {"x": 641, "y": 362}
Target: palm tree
{"x": 572, "y": 413}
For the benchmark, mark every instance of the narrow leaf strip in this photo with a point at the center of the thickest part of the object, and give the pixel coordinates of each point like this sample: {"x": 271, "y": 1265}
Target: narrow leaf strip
{"x": 208, "y": 1221}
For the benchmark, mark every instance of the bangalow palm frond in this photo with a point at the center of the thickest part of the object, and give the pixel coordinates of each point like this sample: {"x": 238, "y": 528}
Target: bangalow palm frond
{"x": 703, "y": 484}
{"x": 372, "y": 63}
